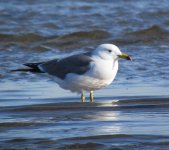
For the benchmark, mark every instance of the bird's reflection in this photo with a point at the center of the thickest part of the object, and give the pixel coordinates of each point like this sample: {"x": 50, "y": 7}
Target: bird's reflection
{"x": 107, "y": 121}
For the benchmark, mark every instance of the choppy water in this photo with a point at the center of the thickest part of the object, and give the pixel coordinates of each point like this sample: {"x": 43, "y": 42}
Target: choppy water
{"x": 132, "y": 113}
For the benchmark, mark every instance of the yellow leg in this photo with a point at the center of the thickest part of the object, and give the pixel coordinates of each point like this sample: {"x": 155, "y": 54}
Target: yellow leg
{"x": 91, "y": 97}
{"x": 82, "y": 97}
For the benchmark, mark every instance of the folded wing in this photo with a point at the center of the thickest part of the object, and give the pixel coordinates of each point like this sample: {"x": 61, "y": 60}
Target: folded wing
{"x": 78, "y": 64}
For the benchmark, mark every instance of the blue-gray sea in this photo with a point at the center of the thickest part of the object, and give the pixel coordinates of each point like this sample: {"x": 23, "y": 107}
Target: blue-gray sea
{"x": 130, "y": 114}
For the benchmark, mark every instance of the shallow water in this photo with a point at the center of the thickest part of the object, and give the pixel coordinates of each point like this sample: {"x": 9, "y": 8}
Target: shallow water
{"x": 131, "y": 113}
{"x": 107, "y": 124}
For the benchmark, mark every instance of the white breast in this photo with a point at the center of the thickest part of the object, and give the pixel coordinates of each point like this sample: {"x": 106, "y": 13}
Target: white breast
{"x": 103, "y": 69}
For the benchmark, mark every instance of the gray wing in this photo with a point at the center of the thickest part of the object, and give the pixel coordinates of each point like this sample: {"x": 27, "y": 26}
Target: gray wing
{"x": 78, "y": 64}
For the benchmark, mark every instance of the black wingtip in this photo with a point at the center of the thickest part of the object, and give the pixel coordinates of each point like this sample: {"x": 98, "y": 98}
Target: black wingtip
{"x": 33, "y": 67}
{"x": 22, "y": 70}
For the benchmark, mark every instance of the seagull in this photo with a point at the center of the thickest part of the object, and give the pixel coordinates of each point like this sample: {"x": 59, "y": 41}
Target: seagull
{"x": 88, "y": 71}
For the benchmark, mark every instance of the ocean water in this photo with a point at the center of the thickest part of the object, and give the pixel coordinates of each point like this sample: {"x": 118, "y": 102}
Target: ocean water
{"x": 131, "y": 113}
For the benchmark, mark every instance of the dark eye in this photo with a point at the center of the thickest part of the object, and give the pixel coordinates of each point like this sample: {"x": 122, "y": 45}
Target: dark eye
{"x": 109, "y": 51}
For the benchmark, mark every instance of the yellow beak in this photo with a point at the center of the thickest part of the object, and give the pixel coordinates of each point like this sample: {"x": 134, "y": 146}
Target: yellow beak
{"x": 125, "y": 56}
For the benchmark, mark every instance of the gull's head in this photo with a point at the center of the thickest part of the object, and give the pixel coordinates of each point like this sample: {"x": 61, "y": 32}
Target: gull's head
{"x": 110, "y": 52}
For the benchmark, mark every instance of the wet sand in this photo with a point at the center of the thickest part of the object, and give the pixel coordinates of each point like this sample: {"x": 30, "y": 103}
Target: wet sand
{"x": 103, "y": 125}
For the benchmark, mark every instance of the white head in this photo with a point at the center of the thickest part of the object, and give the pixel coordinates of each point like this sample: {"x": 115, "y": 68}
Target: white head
{"x": 110, "y": 52}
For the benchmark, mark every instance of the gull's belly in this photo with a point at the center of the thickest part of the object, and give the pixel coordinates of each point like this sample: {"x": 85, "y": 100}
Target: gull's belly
{"x": 77, "y": 83}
